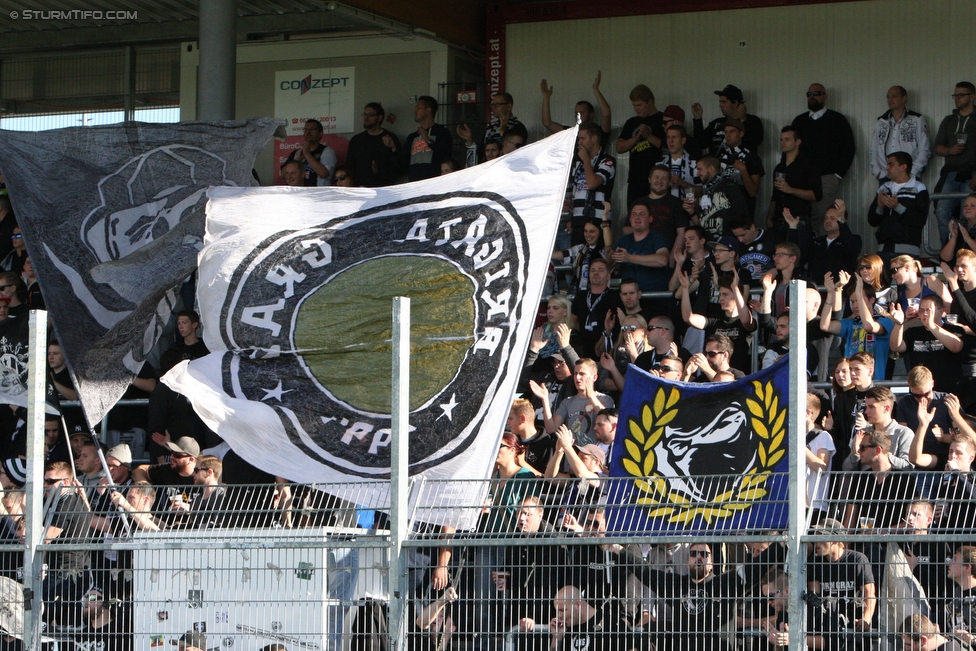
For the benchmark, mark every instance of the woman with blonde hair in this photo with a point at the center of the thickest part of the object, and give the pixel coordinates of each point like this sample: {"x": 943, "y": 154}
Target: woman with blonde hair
{"x": 906, "y": 271}
{"x": 870, "y": 268}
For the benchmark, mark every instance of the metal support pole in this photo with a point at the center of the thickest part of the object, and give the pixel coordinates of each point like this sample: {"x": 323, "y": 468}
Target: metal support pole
{"x": 399, "y": 450}
{"x": 129, "y": 95}
{"x": 33, "y": 530}
{"x": 217, "y": 75}
{"x": 796, "y": 565}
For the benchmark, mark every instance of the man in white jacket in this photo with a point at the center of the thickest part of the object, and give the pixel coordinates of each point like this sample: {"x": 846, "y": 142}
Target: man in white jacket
{"x": 899, "y": 130}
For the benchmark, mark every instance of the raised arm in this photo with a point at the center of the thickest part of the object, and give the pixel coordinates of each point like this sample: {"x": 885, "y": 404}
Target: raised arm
{"x": 565, "y": 440}
{"x": 542, "y": 393}
{"x": 553, "y": 127}
{"x": 897, "y": 340}
{"x": 866, "y": 313}
{"x": 745, "y": 314}
{"x": 950, "y": 340}
{"x": 918, "y": 458}
{"x": 694, "y": 320}
{"x": 769, "y": 286}
{"x": 606, "y": 122}
{"x": 827, "y": 311}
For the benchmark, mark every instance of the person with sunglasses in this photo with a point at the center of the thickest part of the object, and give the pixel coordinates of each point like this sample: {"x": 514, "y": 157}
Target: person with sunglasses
{"x": 829, "y": 141}
{"x": 15, "y": 259}
{"x": 661, "y": 344}
{"x": 913, "y": 286}
{"x": 955, "y": 141}
{"x": 922, "y": 390}
{"x": 701, "y": 601}
{"x": 884, "y": 484}
{"x": 343, "y": 177}
{"x": 69, "y": 518}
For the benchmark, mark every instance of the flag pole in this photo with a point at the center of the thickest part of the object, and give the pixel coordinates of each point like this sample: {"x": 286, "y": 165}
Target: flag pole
{"x": 33, "y": 516}
{"x": 400, "y": 413}
{"x": 797, "y": 476}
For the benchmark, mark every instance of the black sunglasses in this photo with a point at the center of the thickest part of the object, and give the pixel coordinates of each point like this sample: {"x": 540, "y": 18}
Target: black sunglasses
{"x": 815, "y": 93}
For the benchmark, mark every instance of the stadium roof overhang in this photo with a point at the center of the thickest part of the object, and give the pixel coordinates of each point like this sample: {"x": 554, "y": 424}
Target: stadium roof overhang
{"x": 47, "y": 26}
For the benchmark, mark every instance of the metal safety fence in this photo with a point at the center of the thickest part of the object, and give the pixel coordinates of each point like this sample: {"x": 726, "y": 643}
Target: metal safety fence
{"x": 563, "y": 564}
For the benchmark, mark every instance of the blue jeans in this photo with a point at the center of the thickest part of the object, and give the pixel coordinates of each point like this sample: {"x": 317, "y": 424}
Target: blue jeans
{"x": 343, "y": 575}
{"x": 944, "y": 209}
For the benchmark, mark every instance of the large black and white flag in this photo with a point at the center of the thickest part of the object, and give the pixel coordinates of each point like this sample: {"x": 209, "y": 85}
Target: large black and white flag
{"x": 113, "y": 218}
{"x": 296, "y": 290}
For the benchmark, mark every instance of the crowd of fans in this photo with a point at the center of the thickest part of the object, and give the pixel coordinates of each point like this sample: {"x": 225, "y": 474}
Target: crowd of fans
{"x": 690, "y": 287}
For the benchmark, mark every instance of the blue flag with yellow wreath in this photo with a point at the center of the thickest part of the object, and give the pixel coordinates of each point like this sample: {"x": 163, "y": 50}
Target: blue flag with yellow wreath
{"x": 701, "y": 457}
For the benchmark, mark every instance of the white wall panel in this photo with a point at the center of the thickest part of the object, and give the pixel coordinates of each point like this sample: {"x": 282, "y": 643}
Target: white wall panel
{"x": 857, "y": 49}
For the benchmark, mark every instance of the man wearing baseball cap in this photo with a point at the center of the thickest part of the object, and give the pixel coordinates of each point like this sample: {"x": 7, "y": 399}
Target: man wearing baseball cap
{"x": 171, "y": 478}
{"x": 732, "y": 104}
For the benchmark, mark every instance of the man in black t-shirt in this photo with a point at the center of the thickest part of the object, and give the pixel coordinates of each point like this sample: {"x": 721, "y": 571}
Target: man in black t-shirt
{"x": 665, "y": 212}
{"x": 371, "y": 151}
{"x": 701, "y": 602}
{"x": 530, "y": 575}
{"x": 59, "y": 372}
{"x": 174, "y": 479}
{"x": 933, "y": 344}
{"x": 822, "y": 624}
{"x": 843, "y": 578}
{"x": 735, "y": 323}
{"x": 961, "y": 613}
{"x": 642, "y": 136}
{"x": 757, "y": 246}
{"x": 579, "y": 626}
{"x": 796, "y": 180}
{"x": 590, "y": 308}
{"x": 539, "y": 444}
{"x": 189, "y": 346}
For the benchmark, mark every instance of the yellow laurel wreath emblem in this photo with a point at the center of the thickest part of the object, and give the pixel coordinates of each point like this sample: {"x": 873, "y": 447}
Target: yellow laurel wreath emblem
{"x": 768, "y": 420}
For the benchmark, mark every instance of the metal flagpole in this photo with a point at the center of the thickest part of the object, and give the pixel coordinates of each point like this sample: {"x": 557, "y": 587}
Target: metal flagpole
{"x": 797, "y": 493}
{"x": 33, "y": 527}
{"x": 400, "y": 412}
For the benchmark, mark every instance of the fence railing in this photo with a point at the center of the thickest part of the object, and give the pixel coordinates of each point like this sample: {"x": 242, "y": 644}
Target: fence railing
{"x": 551, "y": 564}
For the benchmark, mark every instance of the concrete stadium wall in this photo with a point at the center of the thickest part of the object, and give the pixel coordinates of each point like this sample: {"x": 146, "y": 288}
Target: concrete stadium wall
{"x": 388, "y": 70}
{"x": 857, "y": 49}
